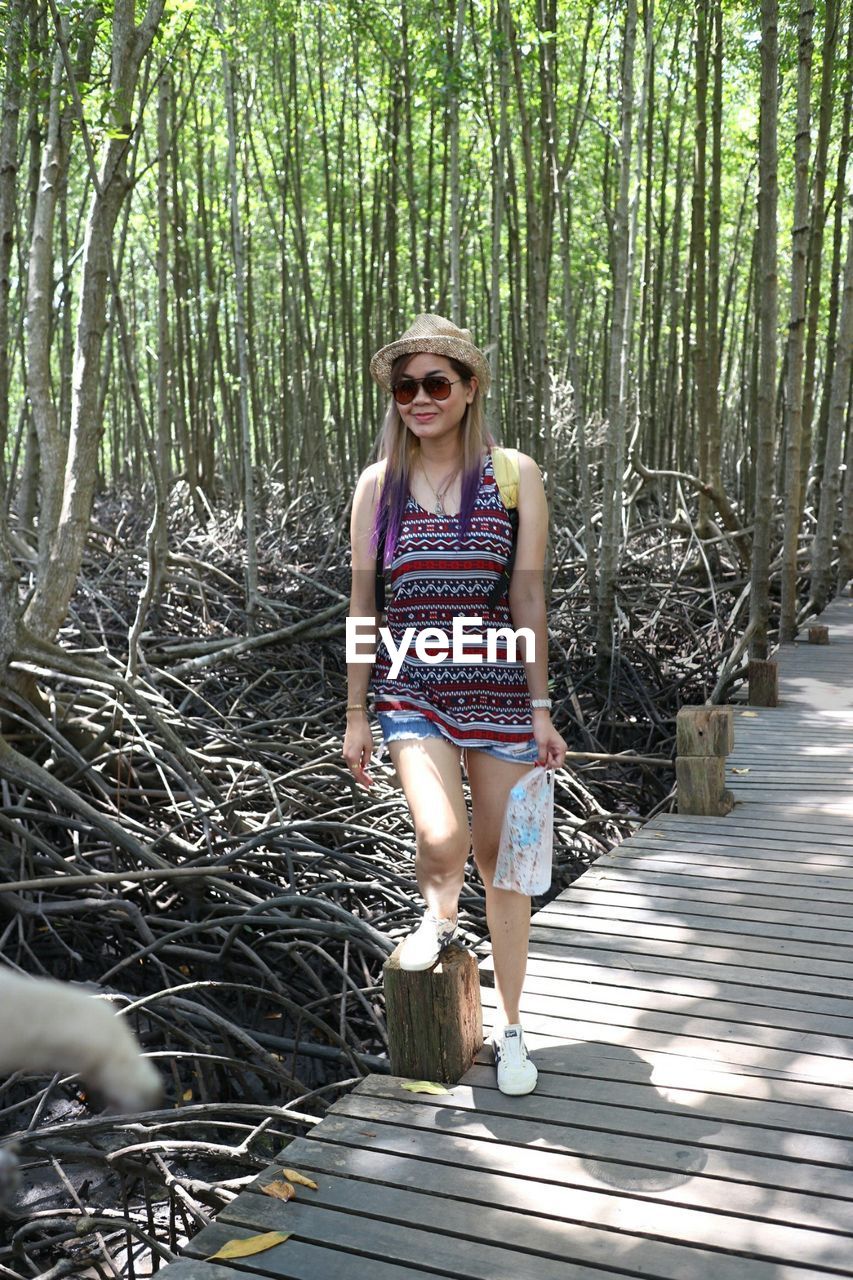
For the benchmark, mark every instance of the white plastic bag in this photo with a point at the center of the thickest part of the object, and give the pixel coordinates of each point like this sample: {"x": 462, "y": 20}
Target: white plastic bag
{"x": 526, "y": 847}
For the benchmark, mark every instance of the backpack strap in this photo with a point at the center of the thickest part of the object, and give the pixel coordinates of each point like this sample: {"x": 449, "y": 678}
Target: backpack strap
{"x": 507, "y": 475}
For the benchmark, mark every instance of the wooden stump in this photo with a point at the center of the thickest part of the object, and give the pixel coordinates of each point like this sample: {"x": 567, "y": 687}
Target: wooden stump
{"x": 701, "y": 784}
{"x": 704, "y": 737}
{"x": 763, "y": 683}
{"x": 435, "y": 1019}
{"x": 704, "y": 731}
{"x": 819, "y": 635}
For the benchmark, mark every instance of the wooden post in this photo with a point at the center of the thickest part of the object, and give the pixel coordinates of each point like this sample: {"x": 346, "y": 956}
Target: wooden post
{"x": 763, "y": 683}
{"x": 819, "y": 635}
{"x": 704, "y": 737}
{"x": 435, "y": 1019}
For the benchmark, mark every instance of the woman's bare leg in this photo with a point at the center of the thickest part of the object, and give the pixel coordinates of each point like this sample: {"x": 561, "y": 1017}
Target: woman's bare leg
{"x": 428, "y": 769}
{"x": 507, "y": 912}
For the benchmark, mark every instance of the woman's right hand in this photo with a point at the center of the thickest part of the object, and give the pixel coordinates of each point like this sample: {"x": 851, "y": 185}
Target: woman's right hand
{"x": 358, "y": 748}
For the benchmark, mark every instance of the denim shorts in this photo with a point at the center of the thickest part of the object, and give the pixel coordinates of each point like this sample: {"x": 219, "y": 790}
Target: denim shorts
{"x": 411, "y": 724}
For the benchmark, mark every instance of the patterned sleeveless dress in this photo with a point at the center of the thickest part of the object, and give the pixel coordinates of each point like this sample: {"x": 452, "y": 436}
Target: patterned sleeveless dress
{"x": 433, "y": 580}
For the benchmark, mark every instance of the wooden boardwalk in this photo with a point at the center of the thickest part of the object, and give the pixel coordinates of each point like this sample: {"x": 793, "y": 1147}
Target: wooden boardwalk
{"x": 690, "y": 1008}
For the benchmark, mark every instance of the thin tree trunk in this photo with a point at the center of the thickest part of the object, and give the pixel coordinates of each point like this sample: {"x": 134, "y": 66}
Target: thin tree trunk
{"x": 247, "y": 474}
{"x": 796, "y": 329}
{"x": 58, "y": 576}
{"x": 822, "y": 545}
{"x": 612, "y": 510}
{"x": 8, "y": 176}
{"x": 767, "y": 319}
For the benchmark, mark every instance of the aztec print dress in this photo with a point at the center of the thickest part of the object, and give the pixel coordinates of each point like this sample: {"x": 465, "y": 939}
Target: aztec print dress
{"x": 432, "y": 581}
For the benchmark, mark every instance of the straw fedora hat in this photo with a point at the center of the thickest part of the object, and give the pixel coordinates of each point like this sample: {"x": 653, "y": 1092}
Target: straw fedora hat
{"x": 436, "y": 335}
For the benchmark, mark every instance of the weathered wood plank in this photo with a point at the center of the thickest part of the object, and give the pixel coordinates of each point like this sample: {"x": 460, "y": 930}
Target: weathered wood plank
{"x": 539, "y": 1245}
{"x": 657, "y": 976}
{"x": 643, "y": 994}
{"x": 598, "y": 1132}
{"x": 829, "y": 1056}
{"x": 646, "y": 941}
{"x": 529, "y": 1208}
{"x": 698, "y": 912}
{"x": 682, "y": 933}
{"x": 570, "y": 1169}
{"x": 695, "y": 1037}
{"x": 763, "y": 896}
{"x": 198, "y": 1269}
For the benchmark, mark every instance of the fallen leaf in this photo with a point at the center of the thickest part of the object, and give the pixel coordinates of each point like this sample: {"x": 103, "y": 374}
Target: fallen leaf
{"x": 294, "y": 1176}
{"x": 752, "y": 714}
{"x": 424, "y": 1086}
{"x": 184, "y": 969}
{"x": 248, "y": 1245}
{"x": 367, "y": 1133}
{"x": 740, "y": 771}
{"x": 279, "y": 1190}
{"x": 187, "y": 1095}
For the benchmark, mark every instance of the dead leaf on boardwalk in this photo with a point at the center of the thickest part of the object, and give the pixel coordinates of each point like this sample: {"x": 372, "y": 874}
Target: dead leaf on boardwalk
{"x": 752, "y": 714}
{"x": 293, "y": 1175}
{"x": 424, "y": 1086}
{"x": 740, "y": 771}
{"x": 250, "y": 1244}
{"x": 279, "y": 1190}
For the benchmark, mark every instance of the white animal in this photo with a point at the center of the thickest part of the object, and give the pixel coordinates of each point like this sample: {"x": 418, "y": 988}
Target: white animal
{"x": 48, "y": 1026}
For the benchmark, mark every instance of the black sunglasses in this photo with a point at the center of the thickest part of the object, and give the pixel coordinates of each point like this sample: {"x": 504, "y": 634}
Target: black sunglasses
{"x": 435, "y": 385}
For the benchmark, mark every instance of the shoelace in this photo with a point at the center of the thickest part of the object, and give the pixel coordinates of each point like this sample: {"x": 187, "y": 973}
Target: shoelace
{"x": 513, "y": 1050}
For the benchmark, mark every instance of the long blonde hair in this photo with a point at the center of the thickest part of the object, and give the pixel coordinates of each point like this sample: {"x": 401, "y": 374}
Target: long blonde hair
{"x": 401, "y": 450}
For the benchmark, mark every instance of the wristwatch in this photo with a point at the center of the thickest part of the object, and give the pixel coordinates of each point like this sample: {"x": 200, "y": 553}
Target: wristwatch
{"x": 541, "y": 702}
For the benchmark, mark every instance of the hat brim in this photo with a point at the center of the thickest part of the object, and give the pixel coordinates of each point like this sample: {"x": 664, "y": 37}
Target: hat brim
{"x": 383, "y": 361}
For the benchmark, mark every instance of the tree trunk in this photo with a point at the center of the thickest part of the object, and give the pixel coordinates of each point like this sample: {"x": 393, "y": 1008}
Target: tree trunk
{"x": 617, "y": 374}
{"x": 822, "y": 545}
{"x": 796, "y": 329}
{"x": 8, "y": 176}
{"x": 248, "y": 485}
{"x": 58, "y": 575}
{"x": 767, "y": 319}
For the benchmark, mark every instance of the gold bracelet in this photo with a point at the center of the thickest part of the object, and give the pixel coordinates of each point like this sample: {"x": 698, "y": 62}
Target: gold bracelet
{"x": 356, "y": 706}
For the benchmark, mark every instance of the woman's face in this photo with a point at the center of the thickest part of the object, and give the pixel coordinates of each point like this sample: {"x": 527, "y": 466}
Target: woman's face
{"x": 430, "y": 419}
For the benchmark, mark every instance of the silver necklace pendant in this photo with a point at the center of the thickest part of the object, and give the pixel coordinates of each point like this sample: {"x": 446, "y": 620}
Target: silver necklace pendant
{"x": 438, "y": 509}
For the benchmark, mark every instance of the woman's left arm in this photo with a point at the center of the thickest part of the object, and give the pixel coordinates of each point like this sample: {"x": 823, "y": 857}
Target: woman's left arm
{"x": 527, "y": 603}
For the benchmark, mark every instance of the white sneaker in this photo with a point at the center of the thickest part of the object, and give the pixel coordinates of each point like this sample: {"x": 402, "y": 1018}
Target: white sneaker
{"x": 422, "y": 948}
{"x": 516, "y": 1073}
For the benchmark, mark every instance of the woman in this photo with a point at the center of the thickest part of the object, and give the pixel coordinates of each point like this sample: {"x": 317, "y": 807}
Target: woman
{"x": 447, "y": 538}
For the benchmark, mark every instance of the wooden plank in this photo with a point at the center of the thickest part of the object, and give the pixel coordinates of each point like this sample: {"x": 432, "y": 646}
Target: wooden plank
{"x": 819, "y": 1049}
{"x": 760, "y": 873}
{"x": 828, "y": 1105}
{"x": 597, "y": 1132}
{"x": 657, "y": 927}
{"x": 732, "y": 894}
{"x": 690, "y": 878}
{"x": 542, "y": 1215}
{"x": 697, "y": 1037}
{"x": 533, "y": 1245}
{"x": 674, "y": 979}
{"x": 701, "y": 909}
{"x": 643, "y": 994}
{"x": 299, "y": 1259}
{"x": 643, "y": 940}
{"x": 574, "y": 1169}
{"x": 828, "y": 830}
{"x": 197, "y": 1269}
{"x": 737, "y": 846}
{"x": 746, "y": 831}
{"x": 821, "y": 875}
